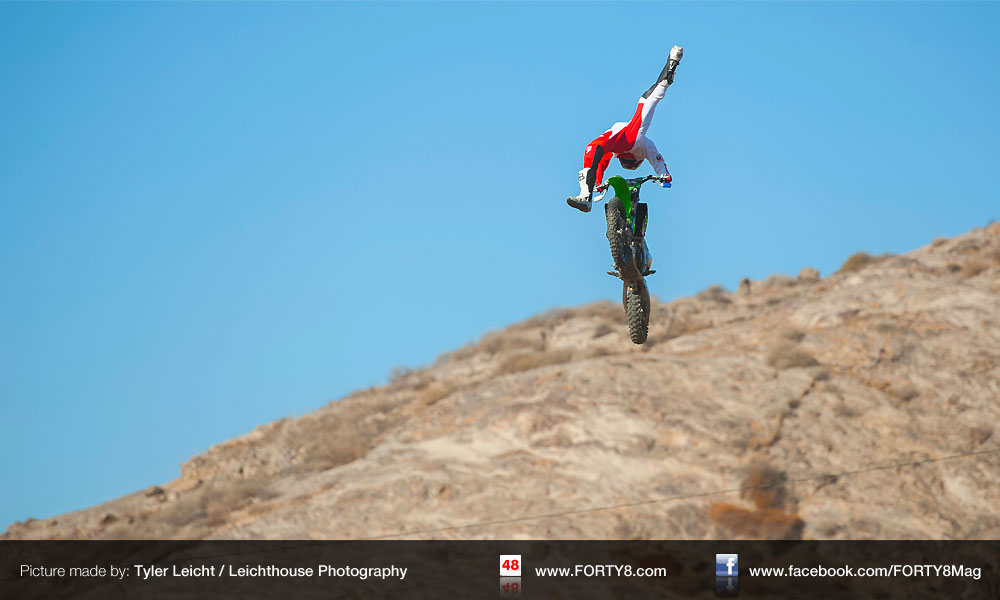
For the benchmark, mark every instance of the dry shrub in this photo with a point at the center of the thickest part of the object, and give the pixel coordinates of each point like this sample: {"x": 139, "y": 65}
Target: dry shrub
{"x": 808, "y": 275}
{"x": 342, "y": 433}
{"x": 793, "y": 335}
{"x": 669, "y": 321}
{"x": 980, "y": 435}
{"x": 779, "y": 281}
{"x": 534, "y": 360}
{"x": 210, "y": 506}
{"x": 938, "y": 241}
{"x": 765, "y": 487}
{"x": 604, "y": 309}
{"x": 844, "y": 411}
{"x": 339, "y": 447}
{"x": 603, "y": 329}
{"x": 406, "y": 378}
{"x": 860, "y": 260}
{"x": 761, "y": 524}
{"x": 967, "y": 246}
{"x": 598, "y": 352}
{"x": 511, "y": 339}
{"x": 549, "y": 318}
{"x": 434, "y": 392}
{"x": 904, "y": 392}
{"x": 399, "y": 372}
{"x": 974, "y": 266}
{"x": 786, "y": 355}
{"x": 715, "y": 293}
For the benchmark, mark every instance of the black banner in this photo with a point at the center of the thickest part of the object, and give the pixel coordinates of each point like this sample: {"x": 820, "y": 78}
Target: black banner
{"x": 110, "y": 570}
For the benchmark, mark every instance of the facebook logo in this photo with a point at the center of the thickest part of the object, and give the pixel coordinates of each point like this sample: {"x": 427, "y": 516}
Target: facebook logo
{"x": 727, "y": 568}
{"x": 727, "y": 565}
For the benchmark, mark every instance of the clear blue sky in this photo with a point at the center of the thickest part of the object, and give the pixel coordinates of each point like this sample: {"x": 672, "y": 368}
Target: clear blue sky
{"x": 217, "y": 215}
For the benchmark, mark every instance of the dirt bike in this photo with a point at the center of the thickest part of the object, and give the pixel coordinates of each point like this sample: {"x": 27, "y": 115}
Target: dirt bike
{"x": 626, "y": 218}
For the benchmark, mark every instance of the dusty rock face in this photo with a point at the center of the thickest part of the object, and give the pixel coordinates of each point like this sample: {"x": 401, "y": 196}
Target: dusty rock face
{"x": 813, "y": 408}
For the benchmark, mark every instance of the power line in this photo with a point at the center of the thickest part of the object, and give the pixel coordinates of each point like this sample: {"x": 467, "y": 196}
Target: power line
{"x": 565, "y": 513}
{"x": 826, "y": 476}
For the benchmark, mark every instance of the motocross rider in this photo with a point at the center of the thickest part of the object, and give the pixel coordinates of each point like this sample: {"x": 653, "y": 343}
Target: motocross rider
{"x": 627, "y": 141}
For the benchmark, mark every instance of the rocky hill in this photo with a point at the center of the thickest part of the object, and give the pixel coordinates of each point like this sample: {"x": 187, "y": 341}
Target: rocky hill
{"x": 794, "y": 407}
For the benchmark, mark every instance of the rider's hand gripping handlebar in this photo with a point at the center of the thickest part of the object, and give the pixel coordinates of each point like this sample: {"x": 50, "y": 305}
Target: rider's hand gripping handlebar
{"x": 663, "y": 180}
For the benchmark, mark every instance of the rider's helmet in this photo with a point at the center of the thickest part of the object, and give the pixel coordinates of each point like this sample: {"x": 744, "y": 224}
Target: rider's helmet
{"x": 629, "y": 163}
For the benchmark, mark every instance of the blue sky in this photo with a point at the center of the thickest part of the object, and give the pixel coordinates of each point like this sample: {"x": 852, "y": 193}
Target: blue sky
{"x": 215, "y": 215}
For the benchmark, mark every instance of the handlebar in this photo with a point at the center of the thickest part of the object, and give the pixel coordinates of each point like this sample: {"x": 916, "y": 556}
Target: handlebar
{"x": 635, "y": 182}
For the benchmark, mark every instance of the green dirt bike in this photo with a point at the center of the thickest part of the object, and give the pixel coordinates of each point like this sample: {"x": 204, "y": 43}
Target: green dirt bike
{"x": 626, "y": 218}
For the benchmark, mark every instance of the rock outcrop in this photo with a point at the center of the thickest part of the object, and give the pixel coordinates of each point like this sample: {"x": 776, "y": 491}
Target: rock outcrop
{"x": 862, "y": 405}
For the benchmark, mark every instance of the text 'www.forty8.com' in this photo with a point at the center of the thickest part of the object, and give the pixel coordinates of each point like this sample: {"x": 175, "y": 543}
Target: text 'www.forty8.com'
{"x": 849, "y": 571}
{"x": 601, "y": 571}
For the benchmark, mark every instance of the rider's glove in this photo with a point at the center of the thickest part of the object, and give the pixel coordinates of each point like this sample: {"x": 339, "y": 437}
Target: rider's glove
{"x": 665, "y": 184}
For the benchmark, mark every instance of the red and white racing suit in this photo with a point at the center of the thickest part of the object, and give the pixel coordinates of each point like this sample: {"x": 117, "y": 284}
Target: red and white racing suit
{"x": 628, "y": 141}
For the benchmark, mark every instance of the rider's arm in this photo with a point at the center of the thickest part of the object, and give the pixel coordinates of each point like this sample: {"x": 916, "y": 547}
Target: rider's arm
{"x": 655, "y": 158}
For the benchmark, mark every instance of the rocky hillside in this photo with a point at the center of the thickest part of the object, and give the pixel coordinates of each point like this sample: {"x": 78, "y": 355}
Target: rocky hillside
{"x": 793, "y": 407}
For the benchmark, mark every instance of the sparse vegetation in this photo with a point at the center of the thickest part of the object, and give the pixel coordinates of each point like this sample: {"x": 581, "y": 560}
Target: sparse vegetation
{"x": 980, "y": 435}
{"x": 398, "y": 373}
{"x": 765, "y": 486}
{"x": 433, "y": 393}
{"x": 604, "y": 309}
{"x": 860, "y": 260}
{"x": 808, "y": 275}
{"x": 202, "y": 508}
{"x": 967, "y": 246}
{"x": 327, "y": 450}
{"x": 760, "y": 524}
{"x": 905, "y": 392}
{"x": 715, "y": 293}
{"x": 549, "y": 318}
{"x": 769, "y": 519}
{"x": 974, "y": 266}
{"x": 844, "y": 410}
{"x": 779, "y": 281}
{"x": 787, "y": 354}
{"x": 602, "y": 330}
{"x": 508, "y": 340}
{"x": 793, "y": 335}
{"x": 534, "y": 360}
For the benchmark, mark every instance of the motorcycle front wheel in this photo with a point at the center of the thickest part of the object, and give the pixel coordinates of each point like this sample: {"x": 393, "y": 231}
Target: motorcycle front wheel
{"x": 635, "y": 297}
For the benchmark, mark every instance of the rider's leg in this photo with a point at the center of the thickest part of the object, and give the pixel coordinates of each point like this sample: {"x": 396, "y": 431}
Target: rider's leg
{"x": 666, "y": 76}
{"x": 656, "y": 91}
{"x": 594, "y": 163}
{"x": 582, "y": 202}
{"x": 648, "y": 104}
{"x": 637, "y": 127}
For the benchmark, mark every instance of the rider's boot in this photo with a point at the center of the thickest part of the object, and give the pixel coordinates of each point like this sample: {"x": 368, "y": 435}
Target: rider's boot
{"x": 582, "y": 202}
{"x": 676, "y": 53}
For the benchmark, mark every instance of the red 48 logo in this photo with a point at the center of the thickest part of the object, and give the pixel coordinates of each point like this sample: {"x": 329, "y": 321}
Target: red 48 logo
{"x": 510, "y": 565}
